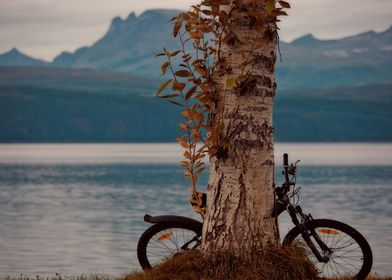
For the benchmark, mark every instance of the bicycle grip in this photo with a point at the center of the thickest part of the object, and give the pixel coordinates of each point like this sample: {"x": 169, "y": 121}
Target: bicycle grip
{"x": 285, "y": 159}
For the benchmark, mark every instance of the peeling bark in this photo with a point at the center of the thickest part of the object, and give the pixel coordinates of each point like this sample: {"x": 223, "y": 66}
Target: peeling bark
{"x": 240, "y": 192}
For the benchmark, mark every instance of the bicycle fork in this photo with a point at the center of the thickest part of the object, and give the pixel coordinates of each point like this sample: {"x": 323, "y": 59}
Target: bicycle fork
{"x": 308, "y": 233}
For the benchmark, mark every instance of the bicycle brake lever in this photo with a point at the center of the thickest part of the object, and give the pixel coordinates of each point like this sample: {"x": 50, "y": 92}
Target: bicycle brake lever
{"x": 293, "y": 168}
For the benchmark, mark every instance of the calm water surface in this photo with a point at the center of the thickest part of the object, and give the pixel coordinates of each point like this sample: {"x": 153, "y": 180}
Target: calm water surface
{"x": 74, "y": 209}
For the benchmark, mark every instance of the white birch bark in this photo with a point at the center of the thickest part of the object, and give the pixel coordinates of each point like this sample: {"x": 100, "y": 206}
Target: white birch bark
{"x": 240, "y": 192}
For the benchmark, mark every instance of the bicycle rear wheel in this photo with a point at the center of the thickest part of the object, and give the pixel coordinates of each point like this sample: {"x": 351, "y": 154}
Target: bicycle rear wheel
{"x": 349, "y": 253}
{"x": 165, "y": 240}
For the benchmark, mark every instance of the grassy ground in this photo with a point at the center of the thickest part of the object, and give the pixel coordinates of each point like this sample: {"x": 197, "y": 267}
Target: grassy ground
{"x": 289, "y": 263}
{"x": 154, "y": 276}
{"x": 263, "y": 265}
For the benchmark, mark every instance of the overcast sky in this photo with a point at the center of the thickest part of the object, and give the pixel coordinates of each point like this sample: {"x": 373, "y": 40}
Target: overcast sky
{"x": 44, "y": 28}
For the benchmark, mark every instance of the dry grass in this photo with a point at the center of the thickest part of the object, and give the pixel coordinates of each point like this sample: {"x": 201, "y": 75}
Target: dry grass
{"x": 275, "y": 263}
{"x": 372, "y": 276}
{"x": 134, "y": 276}
{"x": 288, "y": 263}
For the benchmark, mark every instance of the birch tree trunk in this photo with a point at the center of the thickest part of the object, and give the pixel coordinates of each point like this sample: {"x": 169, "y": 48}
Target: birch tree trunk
{"x": 240, "y": 192}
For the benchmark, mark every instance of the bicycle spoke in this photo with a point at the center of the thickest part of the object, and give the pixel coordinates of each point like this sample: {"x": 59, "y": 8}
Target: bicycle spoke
{"x": 167, "y": 243}
{"x": 346, "y": 257}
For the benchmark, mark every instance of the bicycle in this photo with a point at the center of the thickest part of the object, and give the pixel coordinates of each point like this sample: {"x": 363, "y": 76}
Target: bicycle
{"x": 336, "y": 249}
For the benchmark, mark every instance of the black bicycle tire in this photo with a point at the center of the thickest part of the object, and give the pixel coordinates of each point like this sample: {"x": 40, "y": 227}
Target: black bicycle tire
{"x": 353, "y": 233}
{"x": 154, "y": 229}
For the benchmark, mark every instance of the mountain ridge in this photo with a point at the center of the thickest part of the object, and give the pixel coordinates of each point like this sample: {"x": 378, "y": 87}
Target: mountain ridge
{"x": 14, "y": 57}
{"x": 130, "y": 44}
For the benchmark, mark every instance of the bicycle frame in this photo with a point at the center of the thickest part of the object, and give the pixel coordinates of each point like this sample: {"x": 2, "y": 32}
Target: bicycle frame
{"x": 283, "y": 203}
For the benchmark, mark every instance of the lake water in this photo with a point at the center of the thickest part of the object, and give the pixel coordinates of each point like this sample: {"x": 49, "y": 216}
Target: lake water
{"x": 78, "y": 208}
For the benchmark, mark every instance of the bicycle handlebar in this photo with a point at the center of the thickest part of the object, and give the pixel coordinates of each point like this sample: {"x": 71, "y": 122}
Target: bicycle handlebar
{"x": 285, "y": 167}
{"x": 285, "y": 159}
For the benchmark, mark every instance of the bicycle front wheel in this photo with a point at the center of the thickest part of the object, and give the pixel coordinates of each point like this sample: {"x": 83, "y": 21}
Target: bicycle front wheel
{"x": 162, "y": 241}
{"x": 348, "y": 253}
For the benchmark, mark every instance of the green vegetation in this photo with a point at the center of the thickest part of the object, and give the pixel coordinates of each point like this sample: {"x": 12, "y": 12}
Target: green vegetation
{"x": 334, "y": 114}
{"x": 40, "y": 104}
{"x": 63, "y": 105}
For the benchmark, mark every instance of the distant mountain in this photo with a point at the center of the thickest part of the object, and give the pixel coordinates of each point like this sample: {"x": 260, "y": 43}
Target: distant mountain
{"x": 353, "y": 61}
{"x": 130, "y": 45}
{"x": 15, "y": 57}
{"x": 370, "y": 48}
{"x": 40, "y": 104}
{"x": 364, "y": 59}
{"x": 328, "y": 90}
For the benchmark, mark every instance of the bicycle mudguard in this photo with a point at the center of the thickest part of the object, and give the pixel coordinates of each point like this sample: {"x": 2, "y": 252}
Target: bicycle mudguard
{"x": 171, "y": 219}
